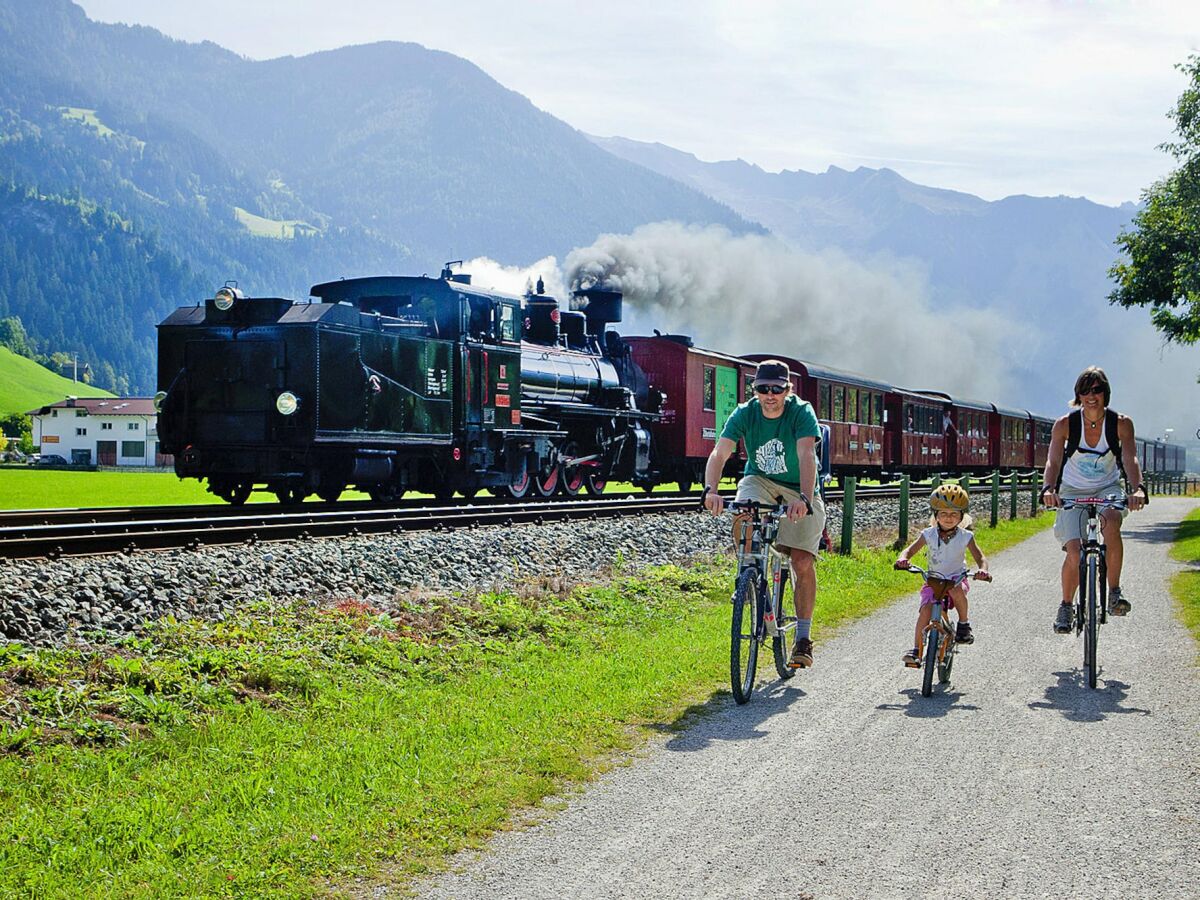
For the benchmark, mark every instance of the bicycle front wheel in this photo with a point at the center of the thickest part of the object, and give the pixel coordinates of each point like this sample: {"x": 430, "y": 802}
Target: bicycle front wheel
{"x": 1091, "y": 632}
{"x": 745, "y": 632}
{"x": 784, "y": 622}
{"x": 946, "y": 663}
{"x": 932, "y": 640}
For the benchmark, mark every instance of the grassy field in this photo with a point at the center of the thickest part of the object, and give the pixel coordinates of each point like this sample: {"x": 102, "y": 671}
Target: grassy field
{"x": 29, "y": 488}
{"x": 286, "y": 751}
{"x": 24, "y": 385}
{"x": 1185, "y": 586}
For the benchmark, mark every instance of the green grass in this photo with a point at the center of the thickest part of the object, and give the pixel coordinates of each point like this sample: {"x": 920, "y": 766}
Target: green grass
{"x": 24, "y": 385}
{"x": 279, "y": 229}
{"x": 289, "y": 749}
{"x": 1185, "y": 585}
{"x": 87, "y": 117}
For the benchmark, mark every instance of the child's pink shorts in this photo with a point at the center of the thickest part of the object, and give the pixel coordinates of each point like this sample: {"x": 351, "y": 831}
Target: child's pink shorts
{"x": 927, "y": 592}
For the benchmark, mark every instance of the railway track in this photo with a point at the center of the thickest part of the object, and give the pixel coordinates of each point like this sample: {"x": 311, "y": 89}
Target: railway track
{"x": 81, "y": 532}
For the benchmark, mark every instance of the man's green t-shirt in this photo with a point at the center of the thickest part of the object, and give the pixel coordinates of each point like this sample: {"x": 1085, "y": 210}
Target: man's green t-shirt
{"x": 771, "y": 443}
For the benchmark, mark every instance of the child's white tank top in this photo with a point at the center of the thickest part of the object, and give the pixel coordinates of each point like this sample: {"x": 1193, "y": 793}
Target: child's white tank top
{"x": 947, "y": 558}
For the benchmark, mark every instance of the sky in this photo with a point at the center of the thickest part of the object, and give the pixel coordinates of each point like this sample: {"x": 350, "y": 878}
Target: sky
{"x": 1019, "y": 97}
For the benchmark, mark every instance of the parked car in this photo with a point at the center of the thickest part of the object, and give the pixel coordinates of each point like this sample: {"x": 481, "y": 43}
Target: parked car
{"x": 52, "y": 459}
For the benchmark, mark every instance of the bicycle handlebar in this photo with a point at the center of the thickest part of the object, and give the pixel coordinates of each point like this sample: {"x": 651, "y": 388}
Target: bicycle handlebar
{"x": 1110, "y": 502}
{"x": 977, "y": 575}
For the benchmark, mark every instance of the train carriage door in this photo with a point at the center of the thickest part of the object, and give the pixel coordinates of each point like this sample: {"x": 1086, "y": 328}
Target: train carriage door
{"x": 727, "y": 400}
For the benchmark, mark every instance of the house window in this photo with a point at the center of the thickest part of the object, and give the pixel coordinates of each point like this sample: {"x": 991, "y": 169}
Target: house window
{"x": 81, "y": 432}
{"x": 134, "y": 426}
{"x": 106, "y": 426}
{"x": 133, "y": 448}
{"x": 80, "y": 413}
{"x": 710, "y": 388}
{"x": 54, "y": 413}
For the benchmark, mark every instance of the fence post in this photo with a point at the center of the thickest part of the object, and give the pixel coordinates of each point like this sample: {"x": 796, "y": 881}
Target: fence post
{"x": 995, "y": 498}
{"x": 1012, "y": 496}
{"x": 848, "y": 513}
{"x": 1035, "y": 496}
{"x": 937, "y": 480}
{"x": 965, "y": 481}
{"x": 904, "y": 487}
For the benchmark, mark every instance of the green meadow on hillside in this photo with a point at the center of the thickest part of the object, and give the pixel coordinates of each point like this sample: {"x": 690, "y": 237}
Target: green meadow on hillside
{"x": 24, "y": 385}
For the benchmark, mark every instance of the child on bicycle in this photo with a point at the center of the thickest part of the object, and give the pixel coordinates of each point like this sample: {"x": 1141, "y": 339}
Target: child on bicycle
{"x": 948, "y": 540}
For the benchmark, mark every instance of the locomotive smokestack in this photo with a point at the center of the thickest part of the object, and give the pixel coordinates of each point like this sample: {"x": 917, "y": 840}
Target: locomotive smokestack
{"x": 601, "y": 307}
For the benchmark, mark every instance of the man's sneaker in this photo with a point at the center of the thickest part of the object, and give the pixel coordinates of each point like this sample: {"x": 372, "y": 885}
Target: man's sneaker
{"x": 802, "y": 656}
{"x": 963, "y": 634}
{"x": 1117, "y": 604}
{"x": 1065, "y": 618}
{"x": 912, "y": 658}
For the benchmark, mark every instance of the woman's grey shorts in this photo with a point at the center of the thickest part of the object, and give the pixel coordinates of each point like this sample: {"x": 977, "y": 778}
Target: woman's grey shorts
{"x": 1071, "y": 524}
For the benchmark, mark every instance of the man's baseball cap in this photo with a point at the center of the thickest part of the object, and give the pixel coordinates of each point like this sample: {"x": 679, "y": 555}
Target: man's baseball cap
{"x": 772, "y": 371}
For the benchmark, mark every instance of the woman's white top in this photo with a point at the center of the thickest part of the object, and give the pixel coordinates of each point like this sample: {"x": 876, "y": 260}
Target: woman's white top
{"x": 947, "y": 558}
{"x": 1091, "y": 469}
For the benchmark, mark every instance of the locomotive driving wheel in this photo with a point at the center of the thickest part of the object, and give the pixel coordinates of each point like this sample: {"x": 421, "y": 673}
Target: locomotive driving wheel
{"x": 545, "y": 482}
{"x": 385, "y": 493}
{"x": 290, "y": 496}
{"x": 573, "y": 479}
{"x": 518, "y": 489}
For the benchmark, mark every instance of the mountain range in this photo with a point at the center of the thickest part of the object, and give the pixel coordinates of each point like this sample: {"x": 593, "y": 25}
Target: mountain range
{"x": 138, "y": 173}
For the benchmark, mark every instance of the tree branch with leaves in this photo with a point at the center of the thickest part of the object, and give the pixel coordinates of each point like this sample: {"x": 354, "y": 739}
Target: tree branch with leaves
{"x": 1160, "y": 267}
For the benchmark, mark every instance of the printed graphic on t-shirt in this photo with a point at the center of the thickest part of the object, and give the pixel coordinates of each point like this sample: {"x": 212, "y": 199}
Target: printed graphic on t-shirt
{"x": 771, "y": 458}
{"x": 1091, "y": 466}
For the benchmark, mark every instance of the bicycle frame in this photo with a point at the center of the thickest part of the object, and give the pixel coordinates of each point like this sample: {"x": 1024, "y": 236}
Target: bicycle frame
{"x": 1091, "y": 600}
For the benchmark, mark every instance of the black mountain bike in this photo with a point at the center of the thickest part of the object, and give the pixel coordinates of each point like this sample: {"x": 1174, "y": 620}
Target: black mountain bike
{"x": 1091, "y": 600}
{"x": 758, "y": 597}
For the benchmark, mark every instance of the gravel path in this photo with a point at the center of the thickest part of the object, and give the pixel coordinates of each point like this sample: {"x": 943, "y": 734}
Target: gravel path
{"x": 822, "y": 788}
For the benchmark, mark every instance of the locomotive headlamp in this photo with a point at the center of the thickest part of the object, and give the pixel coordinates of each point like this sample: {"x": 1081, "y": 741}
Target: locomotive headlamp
{"x": 225, "y": 297}
{"x": 287, "y": 403}
{"x": 158, "y": 400}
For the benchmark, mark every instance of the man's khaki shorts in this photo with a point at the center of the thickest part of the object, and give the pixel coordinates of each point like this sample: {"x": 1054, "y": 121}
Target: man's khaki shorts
{"x": 802, "y": 535}
{"x": 1070, "y": 524}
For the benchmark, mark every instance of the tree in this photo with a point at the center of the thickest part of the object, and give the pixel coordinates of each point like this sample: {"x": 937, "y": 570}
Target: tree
{"x": 1161, "y": 264}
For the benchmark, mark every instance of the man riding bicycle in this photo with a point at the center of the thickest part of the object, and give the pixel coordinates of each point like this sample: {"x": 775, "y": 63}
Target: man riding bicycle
{"x": 1090, "y": 449}
{"x": 780, "y": 431}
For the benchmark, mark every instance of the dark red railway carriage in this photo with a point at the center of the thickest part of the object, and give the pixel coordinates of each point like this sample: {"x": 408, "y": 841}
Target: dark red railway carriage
{"x": 968, "y": 443}
{"x": 1012, "y": 438}
{"x": 1042, "y": 427}
{"x": 914, "y": 443}
{"x": 701, "y": 388}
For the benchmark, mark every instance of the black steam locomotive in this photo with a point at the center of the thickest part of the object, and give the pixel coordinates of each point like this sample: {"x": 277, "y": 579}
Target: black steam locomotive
{"x": 395, "y": 383}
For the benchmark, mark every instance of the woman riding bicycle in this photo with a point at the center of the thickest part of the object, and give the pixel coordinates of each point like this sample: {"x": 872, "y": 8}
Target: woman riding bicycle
{"x": 1090, "y": 449}
{"x": 780, "y": 431}
{"x": 948, "y": 541}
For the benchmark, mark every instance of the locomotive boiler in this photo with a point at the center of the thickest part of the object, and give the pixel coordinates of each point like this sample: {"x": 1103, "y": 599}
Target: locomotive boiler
{"x": 397, "y": 383}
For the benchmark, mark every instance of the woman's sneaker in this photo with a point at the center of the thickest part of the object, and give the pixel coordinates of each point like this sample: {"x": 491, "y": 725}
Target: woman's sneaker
{"x": 1064, "y": 620}
{"x": 912, "y": 658}
{"x": 963, "y": 634}
{"x": 1117, "y": 604}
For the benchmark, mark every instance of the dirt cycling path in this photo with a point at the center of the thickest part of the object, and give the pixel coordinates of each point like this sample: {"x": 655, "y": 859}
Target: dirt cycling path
{"x": 1016, "y": 782}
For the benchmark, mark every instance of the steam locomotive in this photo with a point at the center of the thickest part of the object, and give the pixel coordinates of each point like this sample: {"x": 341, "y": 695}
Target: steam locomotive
{"x": 389, "y": 384}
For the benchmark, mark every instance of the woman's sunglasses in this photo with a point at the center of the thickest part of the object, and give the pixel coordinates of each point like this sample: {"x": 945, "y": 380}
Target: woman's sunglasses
{"x": 775, "y": 389}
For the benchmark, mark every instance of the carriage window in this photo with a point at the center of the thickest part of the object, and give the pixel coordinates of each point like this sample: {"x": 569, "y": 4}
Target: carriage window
{"x": 710, "y": 388}
{"x": 748, "y": 386}
{"x": 823, "y": 400}
{"x": 851, "y": 404}
{"x": 837, "y": 404}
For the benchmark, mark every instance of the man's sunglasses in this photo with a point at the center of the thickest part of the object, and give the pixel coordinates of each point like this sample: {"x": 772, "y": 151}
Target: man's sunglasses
{"x": 775, "y": 389}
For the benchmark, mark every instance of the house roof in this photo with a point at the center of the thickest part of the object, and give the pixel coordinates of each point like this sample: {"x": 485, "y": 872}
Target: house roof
{"x": 102, "y": 406}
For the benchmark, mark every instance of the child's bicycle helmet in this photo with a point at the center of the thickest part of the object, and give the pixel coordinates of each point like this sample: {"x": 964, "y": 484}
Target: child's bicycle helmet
{"x": 951, "y": 497}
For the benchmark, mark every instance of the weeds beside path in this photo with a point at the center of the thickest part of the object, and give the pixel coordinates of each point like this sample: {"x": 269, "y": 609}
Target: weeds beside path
{"x": 286, "y": 749}
{"x": 1185, "y": 586}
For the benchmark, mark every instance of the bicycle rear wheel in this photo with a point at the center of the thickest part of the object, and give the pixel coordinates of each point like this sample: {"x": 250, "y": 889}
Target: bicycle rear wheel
{"x": 932, "y": 639}
{"x": 1091, "y": 631}
{"x": 744, "y": 634}
{"x": 786, "y": 624}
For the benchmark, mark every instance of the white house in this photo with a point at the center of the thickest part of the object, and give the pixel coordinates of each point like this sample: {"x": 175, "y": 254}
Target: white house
{"x": 106, "y": 431}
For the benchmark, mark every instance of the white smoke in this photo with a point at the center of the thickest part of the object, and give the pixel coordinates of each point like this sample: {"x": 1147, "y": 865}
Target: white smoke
{"x": 755, "y": 294}
{"x": 519, "y": 280}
